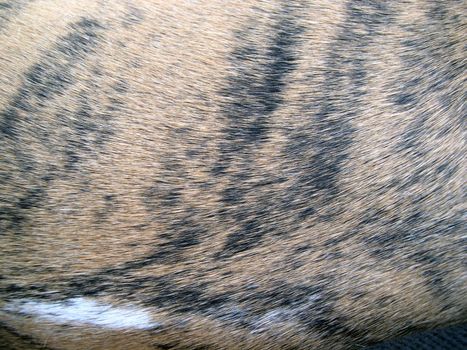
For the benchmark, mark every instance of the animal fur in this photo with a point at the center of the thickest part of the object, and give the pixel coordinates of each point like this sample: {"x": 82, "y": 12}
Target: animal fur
{"x": 230, "y": 174}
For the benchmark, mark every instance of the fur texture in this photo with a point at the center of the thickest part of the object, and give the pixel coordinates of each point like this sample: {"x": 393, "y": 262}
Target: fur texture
{"x": 231, "y": 174}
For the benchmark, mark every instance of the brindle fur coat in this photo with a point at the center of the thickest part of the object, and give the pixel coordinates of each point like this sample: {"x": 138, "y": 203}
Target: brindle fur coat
{"x": 217, "y": 174}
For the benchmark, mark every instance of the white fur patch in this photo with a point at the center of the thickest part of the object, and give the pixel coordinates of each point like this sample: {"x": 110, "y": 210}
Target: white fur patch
{"x": 85, "y": 312}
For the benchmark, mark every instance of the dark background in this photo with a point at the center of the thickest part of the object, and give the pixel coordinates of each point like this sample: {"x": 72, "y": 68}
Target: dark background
{"x": 452, "y": 338}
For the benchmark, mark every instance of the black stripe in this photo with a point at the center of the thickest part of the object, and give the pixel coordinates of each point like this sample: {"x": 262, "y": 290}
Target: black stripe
{"x": 44, "y": 80}
{"x": 320, "y": 149}
{"x": 21, "y": 341}
{"x": 253, "y": 94}
{"x": 10, "y": 9}
{"x": 51, "y": 75}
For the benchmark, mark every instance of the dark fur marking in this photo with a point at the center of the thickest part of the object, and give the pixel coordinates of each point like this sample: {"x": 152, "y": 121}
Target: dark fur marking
{"x": 401, "y": 230}
{"x": 14, "y": 217}
{"x": 121, "y": 86}
{"x": 12, "y": 288}
{"x": 245, "y": 307}
{"x": 134, "y": 16}
{"x": 447, "y": 170}
{"x": 331, "y": 255}
{"x": 311, "y": 306}
{"x": 51, "y": 76}
{"x": 408, "y": 96}
{"x": 109, "y": 197}
{"x": 31, "y": 199}
{"x": 403, "y": 237}
{"x": 320, "y": 149}
{"x": 438, "y": 12}
{"x": 283, "y": 294}
{"x": 303, "y": 248}
{"x": 159, "y": 291}
{"x": 10, "y": 9}
{"x": 10, "y": 115}
{"x": 307, "y": 212}
{"x": 372, "y": 217}
{"x": 81, "y": 40}
{"x": 11, "y": 218}
{"x": 180, "y": 235}
{"x": 109, "y": 205}
{"x": 183, "y": 234}
{"x": 320, "y": 315}
{"x": 14, "y": 291}
{"x": 161, "y": 255}
{"x": 90, "y": 130}
{"x": 254, "y": 93}
{"x": 247, "y": 238}
{"x": 166, "y": 346}
{"x": 26, "y": 339}
{"x": 161, "y": 196}
{"x": 425, "y": 75}
{"x": 43, "y": 81}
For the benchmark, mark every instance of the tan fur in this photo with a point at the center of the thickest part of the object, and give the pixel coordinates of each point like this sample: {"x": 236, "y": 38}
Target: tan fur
{"x": 301, "y": 165}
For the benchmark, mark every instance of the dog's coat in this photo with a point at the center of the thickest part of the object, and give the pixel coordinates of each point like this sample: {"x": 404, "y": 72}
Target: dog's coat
{"x": 230, "y": 174}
